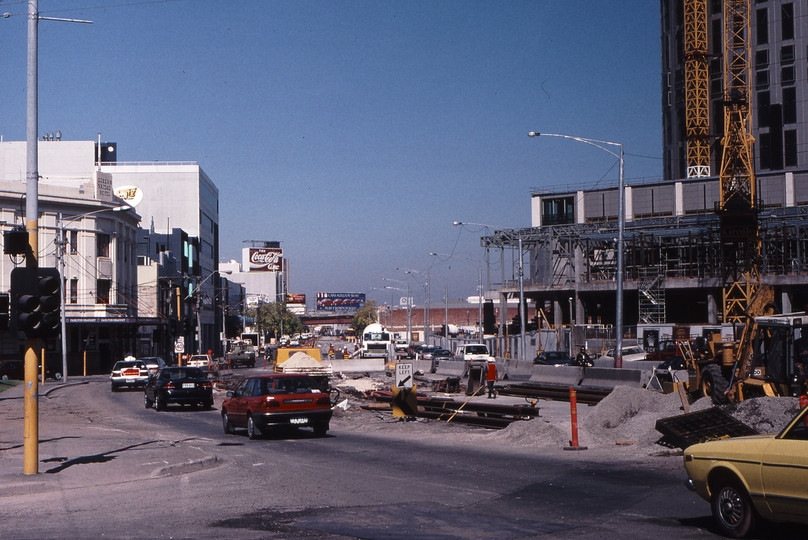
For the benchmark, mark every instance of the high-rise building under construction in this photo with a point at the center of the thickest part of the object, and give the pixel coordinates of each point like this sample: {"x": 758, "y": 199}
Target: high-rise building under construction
{"x": 731, "y": 210}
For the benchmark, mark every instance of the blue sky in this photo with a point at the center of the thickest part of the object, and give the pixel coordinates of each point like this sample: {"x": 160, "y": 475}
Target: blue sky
{"x": 355, "y": 132}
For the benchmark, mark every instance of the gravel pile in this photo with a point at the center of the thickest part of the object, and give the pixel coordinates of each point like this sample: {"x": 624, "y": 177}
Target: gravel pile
{"x": 625, "y": 421}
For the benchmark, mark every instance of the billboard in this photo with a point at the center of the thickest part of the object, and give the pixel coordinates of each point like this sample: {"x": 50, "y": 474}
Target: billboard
{"x": 340, "y": 301}
{"x": 296, "y": 299}
{"x": 265, "y": 260}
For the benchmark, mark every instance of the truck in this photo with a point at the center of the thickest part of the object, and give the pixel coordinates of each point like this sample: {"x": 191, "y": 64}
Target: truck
{"x": 242, "y": 353}
{"x": 377, "y": 342}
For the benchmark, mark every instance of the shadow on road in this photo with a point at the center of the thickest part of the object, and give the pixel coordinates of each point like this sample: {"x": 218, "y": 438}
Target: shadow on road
{"x": 96, "y": 458}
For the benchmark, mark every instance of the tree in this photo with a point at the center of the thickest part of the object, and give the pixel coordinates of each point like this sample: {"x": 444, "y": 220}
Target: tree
{"x": 274, "y": 317}
{"x": 365, "y": 316}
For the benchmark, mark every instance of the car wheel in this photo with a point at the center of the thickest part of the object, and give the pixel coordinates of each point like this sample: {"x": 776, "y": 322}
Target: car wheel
{"x": 713, "y": 384}
{"x": 113, "y": 388}
{"x": 57, "y": 376}
{"x": 228, "y": 427}
{"x": 732, "y": 509}
{"x": 159, "y": 403}
{"x": 147, "y": 402}
{"x": 252, "y": 430}
{"x": 207, "y": 405}
{"x": 320, "y": 430}
{"x": 5, "y": 377}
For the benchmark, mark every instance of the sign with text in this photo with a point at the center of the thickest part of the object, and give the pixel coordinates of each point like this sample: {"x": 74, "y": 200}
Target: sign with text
{"x": 266, "y": 260}
{"x": 340, "y": 301}
{"x": 404, "y": 375}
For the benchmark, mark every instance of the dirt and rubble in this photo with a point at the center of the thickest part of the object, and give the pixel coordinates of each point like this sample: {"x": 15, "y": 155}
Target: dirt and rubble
{"x": 623, "y": 423}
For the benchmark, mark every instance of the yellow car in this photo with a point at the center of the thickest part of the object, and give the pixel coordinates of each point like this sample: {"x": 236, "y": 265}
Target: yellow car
{"x": 746, "y": 478}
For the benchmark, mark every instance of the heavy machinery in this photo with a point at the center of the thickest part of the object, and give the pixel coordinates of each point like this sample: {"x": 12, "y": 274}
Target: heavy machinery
{"x": 763, "y": 361}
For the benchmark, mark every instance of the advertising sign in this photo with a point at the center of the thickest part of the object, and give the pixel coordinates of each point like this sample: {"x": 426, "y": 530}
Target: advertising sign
{"x": 133, "y": 195}
{"x": 266, "y": 260}
{"x": 340, "y": 301}
{"x": 296, "y": 299}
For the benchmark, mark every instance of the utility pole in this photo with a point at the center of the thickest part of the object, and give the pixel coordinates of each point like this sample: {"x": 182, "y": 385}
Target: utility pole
{"x": 31, "y": 395}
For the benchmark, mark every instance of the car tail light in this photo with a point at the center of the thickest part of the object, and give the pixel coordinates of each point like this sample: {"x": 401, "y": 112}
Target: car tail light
{"x": 207, "y": 384}
{"x": 323, "y": 401}
{"x": 270, "y": 403}
{"x": 169, "y": 386}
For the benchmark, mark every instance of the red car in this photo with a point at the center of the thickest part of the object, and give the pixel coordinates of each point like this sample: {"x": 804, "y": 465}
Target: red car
{"x": 278, "y": 400}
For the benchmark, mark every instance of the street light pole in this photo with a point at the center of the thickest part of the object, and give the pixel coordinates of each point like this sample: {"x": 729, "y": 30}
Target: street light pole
{"x": 621, "y": 224}
{"x": 521, "y": 284}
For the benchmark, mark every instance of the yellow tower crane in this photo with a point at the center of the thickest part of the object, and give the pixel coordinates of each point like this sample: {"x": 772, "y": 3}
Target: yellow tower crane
{"x": 738, "y": 208}
{"x": 697, "y": 94}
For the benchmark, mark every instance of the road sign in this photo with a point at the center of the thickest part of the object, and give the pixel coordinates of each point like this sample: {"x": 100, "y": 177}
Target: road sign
{"x": 405, "y": 402}
{"x": 404, "y": 375}
{"x": 179, "y": 344}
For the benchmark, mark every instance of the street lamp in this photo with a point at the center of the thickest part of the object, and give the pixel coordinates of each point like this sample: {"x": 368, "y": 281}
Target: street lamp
{"x": 60, "y": 254}
{"x": 409, "y": 305}
{"x": 522, "y": 351}
{"x": 618, "y": 348}
{"x": 479, "y": 291}
{"x": 197, "y": 296}
{"x": 427, "y": 301}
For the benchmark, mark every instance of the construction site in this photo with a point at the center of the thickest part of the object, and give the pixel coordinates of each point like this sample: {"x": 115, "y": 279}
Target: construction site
{"x": 728, "y": 214}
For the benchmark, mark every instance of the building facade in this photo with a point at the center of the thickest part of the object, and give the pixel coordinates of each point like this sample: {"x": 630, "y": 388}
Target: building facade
{"x": 91, "y": 236}
{"x": 779, "y": 66}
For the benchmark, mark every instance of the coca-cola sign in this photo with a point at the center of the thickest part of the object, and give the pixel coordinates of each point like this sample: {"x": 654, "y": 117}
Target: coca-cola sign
{"x": 266, "y": 260}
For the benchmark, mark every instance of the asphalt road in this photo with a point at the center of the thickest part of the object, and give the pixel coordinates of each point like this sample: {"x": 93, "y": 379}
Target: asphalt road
{"x": 110, "y": 468}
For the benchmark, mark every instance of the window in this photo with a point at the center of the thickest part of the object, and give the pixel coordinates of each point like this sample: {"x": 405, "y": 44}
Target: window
{"x": 74, "y": 291}
{"x": 763, "y": 102}
{"x": 102, "y": 245}
{"x": 73, "y": 241}
{"x": 765, "y": 151}
{"x": 762, "y": 79}
{"x": 789, "y": 105}
{"x": 718, "y": 36}
{"x": 762, "y": 58}
{"x": 787, "y": 22}
{"x": 790, "y": 145}
{"x": 787, "y": 54}
{"x": 762, "y": 26}
{"x": 103, "y": 286}
{"x": 787, "y": 75}
{"x": 557, "y": 211}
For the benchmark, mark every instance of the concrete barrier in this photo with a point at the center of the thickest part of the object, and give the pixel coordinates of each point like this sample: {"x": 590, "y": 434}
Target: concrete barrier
{"x": 516, "y": 370}
{"x": 451, "y": 368}
{"x": 611, "y": 377}
{"x": 567, "y": 375}
{"x": 356, "y": 365}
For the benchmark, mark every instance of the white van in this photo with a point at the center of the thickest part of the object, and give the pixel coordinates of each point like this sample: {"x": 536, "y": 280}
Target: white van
{"x": 473, "y": 352}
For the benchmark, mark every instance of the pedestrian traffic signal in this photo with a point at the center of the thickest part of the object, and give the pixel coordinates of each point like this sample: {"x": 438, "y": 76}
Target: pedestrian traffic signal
{"x": 35, "y": 302}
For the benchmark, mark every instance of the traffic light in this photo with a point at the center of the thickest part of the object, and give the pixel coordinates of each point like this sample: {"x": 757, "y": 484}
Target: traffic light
{"x": 5, "y": 304}
{"x": 35, "y": 302}
{"x": 186, "y": 327}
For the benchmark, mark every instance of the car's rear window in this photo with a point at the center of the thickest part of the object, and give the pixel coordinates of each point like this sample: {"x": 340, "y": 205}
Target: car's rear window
{"x": 187, "y": 373}
{"x": 124, "y": 365}
{"x": 289, "y": 385}
{"x": 478, "y": 349}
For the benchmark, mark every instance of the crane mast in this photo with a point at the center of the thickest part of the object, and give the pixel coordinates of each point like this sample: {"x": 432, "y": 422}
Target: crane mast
{"x": 697, "y": 94}
{"x": 738, "y": 207}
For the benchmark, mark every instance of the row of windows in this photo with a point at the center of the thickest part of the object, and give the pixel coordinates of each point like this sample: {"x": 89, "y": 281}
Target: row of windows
{"x": 788, "y": 76}
{"x": 787, "y": 56}
{"x": 786, "y": 24}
